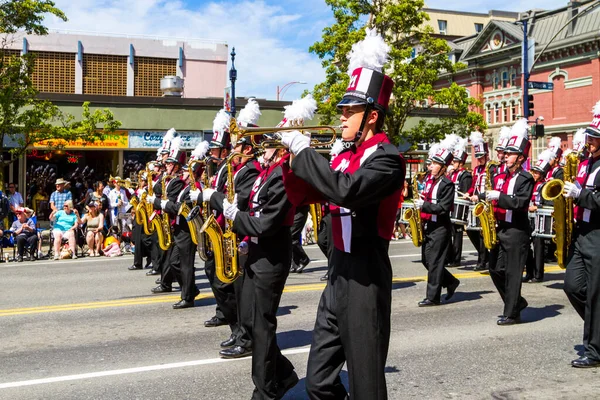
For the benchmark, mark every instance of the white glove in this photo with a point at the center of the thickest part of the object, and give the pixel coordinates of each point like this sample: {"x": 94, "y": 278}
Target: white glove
{"x": 295, "y": 141}
{"x": 243, "y": 247}
{"x": 194, "y": 194}
{"x": 150, "y": 199}
{"x": 571, "y": 190}
{"x": 207, "y": 193}
{"x": 230, "y": 210}
{"x": 492, "y": 195}
{"x": 419, "y": 203}
{"x": 163, "y": 203}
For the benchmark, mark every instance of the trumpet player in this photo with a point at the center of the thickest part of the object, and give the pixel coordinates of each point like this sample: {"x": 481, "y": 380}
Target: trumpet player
{"x": 435, "y": 212}
{"x": 582, "y": 278}
{"x": 174, "y": 186}
{"x": 363, "y": 187}
{"x": 510, "y": 198}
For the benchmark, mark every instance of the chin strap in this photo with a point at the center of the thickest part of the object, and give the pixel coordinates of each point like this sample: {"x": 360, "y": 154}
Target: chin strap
{"x": 368, "y": 108}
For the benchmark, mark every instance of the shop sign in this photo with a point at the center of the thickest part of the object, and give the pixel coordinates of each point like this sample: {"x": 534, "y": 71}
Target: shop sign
{"x": 153, "y": 139}
{"x": 114, "y": 140}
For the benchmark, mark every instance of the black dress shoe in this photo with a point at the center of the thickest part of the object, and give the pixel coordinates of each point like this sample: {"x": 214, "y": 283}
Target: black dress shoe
{"x": 301, "y": 267}
{"x": 20, "y": 259}
{"x": 480, "y": 267}
{"x": 526, "y": 279}
{"x": 229, "y": 342}
{"x": 537, "y": 280}
{"x": 293, "y": 268}
{"x": 183, "y": 304}
{"x": 132, "y": 267}
{"x": 451, "y": 289}
{"x": 214, "y": 321}
{"x": 325, "y": 277}
{"x": 508, "y": 321}
{"x": 161, "y": 289}
{"x": 428, "y": 303}
{"x": 585, "y": 362}
{"x": 286, "y": 384}
{"x": 152, "y": 272}
{"x": 235, "y": 352}
{"x": 148, "y": 266}
{"x": 157, "y": 281}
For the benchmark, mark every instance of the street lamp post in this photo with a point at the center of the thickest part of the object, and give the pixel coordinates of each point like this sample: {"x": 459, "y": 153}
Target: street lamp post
{"x": 232, "y": 79}
{"x": 281, "y": 91}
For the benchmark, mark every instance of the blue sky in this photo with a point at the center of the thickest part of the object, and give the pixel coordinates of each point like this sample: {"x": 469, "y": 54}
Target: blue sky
{"x": 271, "y": 37}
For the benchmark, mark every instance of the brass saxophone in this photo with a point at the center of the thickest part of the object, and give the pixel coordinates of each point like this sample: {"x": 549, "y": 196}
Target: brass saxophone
{"x": 316, "y": 216}
{"x": 224, "y": 244}
{"x": 563, "y": 208}
{"x": 161, "y": 223}
{"x": 138, "y": 207}
{"x": 193, "y": 217}
{"x": 485, "y": 212}
{"x": 146, "y": 224}
{"x": 413, "y": 215}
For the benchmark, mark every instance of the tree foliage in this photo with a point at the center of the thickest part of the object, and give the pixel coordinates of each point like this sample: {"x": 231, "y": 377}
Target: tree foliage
{"x": 401, "y": 23}
{"x": 25, "y": 119}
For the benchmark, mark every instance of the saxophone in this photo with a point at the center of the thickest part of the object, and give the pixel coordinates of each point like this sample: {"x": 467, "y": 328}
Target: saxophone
{"x": 224, "y": 244}
{"x": 193, "y": 217}
{"x": 485, "y": 212}
{"x": 563, "y": 208}
{"x": 146, "y": 224}
{"x": 316, "y": 216}
{"x": 413, "y": 215}
{"x": 161, "y": 223}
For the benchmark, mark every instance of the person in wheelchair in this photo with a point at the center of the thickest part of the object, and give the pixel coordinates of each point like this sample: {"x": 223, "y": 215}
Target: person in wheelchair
{"x": 66, "y": 221}
{"x": 25, "y": 235}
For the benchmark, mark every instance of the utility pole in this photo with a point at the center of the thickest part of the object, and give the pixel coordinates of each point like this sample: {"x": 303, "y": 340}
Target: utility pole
{"x": 525, "y": 71}
{"x": 232, "y": 78}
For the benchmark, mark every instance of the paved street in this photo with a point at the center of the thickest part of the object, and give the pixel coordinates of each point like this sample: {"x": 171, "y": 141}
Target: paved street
{"x": 91, "y": 329}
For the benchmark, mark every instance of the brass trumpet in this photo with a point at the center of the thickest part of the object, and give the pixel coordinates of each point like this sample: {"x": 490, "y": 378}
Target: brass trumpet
{"x": 236, "y": 133}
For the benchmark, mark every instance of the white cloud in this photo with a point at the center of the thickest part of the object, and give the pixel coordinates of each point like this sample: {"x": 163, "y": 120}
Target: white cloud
{"x": 262, "y": 34}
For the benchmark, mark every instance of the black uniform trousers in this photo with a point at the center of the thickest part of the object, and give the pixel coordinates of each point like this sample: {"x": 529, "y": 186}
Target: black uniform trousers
{"x": 582, "y": 286}
{"x": 244, "y": 310}
{"x": 299, "y": 256}
{"x": 158, "y": 255}
{"x": 142, "y": 243}
{"x": 325, "y": 240}
{"x": 433, "y": 256}
{"x": 483, "y": 254}
{"x": 456, "y": 244}
{"x": 224, "y": 293}
{"x": 353, "y": 318}
{"x": 506, "y": 266}
{"x": 180, "y": 264}
{"x": 535, "y": 259}
{"x": 264, "y": 280}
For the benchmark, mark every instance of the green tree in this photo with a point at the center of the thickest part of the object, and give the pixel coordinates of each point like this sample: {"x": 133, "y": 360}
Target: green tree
{"x": 401, "y": 23}
{"x": 25, "y": 119}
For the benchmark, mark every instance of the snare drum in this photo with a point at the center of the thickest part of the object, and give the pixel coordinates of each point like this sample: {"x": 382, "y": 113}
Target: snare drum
{"x": 543, "y": 222}
{"x": 460, "y": 214}
{"x": 473, "y": 223}
{"x": 405, "y": 206}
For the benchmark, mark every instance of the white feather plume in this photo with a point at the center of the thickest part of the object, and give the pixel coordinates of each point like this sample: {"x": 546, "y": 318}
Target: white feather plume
{"x": 520, "y": 128}
{"x": 336, "y": 148}
{"x": 545, "y": 155}
{"x": 200, "y": 151}
{"x": 371, "y": 52}
{"x": 433, "y": 150}
{"x": 461, "y": 144}
{"x": 596, "y": 109}
{"x": 176, "y": 144}
{"x": 554, "y": 143}
{"x": 449, "y": 142}
{"x": 579, "y": 136}
{"x": 221, "y": 121}
{"x": 504, "y": 134}
{"x": 249, "y": 114}
{"x": 169, "y": 135}
{"x": 300, "y": 110}
{"x": 476, "y": 138}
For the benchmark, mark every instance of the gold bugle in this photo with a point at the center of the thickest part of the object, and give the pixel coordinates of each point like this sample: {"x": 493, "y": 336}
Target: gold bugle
{"x": 236, "y": 133}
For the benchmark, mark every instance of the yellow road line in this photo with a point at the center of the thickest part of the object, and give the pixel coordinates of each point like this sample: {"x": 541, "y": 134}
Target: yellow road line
{"x": 171, "y": 298}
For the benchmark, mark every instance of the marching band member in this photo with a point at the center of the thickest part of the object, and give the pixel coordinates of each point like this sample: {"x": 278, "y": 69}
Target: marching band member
{"x": 503, "y": 138}
{"x": 480, "y": 148}
{"x": 579, "y": 144}
{"x": 511, "y": 198}
{"x": 174, "y": 186}
{"x": 224, "y": 292}
{"x": 435, "y": 212}
{"x": 534, "y": 271}
{"x": 141, "y": 241}
{"x": 363, "y": 187}
{"x": 462, "y": 179}
{"x": 582, "y": 278}
{"x": 246, "y": 170}
{"x": 556, "y": 171}
{"x": 267, "y": 222}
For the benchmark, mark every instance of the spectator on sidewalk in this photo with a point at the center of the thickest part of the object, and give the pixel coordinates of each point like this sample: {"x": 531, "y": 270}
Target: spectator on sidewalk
{"x": 25, "y": 234}
{"x": 59, "y": 196}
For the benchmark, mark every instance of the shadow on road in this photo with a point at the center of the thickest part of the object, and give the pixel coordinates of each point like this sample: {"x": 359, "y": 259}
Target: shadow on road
{"x": 534, "y": 314}
{"x": 404, "y": 285}
{"x": 469, "y": 296}
{"x": 285, "y": 310}
{"x": 294, "y": 338}
{"x": 299, "y": 391}
{"x": 557, "y": 285}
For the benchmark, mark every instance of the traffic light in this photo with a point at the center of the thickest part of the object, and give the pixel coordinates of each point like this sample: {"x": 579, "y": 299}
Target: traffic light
{"x": 530, "y": 105}
{"x": 539, "y": 130}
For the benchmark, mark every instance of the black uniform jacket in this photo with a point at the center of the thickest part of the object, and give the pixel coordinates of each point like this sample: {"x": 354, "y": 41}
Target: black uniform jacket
{"x": 172, "y": 208}
{"x": 174, "y": 187}
{"x": 444, "y": 202}
{"x": 243, "y": 181}
{"x": 589, "y": 198}
{"x": 465, "y": 180}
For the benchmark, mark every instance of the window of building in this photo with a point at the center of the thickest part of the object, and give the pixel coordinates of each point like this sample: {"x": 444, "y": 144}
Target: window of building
{"x": 504, "y": 79}
{"x": 54, "y": 72}
{"x": 497, "y": 114}
{"x": 514, "y": 111}
{"x": 478, "y": 27}
{"x": 496, "y": 80}
{"x": 505, "y": 113}
{"x": 488, "y": 114}
{"x": 149, "y": 71}
{"x": 513, "y": 76}
{"x": 443, "y": 26}
{"x": 105, "y": 74}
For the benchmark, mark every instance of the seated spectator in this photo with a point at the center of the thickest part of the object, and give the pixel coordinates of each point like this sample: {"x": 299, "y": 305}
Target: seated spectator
{"x": 94, "y": 235}
{"x": 66, "y": 222}
{"x": 26, "y": 234}
{"x": 37, "y": 198}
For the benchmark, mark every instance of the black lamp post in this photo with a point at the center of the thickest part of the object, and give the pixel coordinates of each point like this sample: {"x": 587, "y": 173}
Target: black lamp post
{"x": 232, "y": 78}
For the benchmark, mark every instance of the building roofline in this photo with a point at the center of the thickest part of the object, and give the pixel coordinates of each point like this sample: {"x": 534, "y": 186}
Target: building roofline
{"x": 135, "y": 36}
{"x": 491, "y": 13}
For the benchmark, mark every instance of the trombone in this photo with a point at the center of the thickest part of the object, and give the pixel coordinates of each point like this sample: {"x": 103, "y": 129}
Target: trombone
{"x": 236, "y": 133}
